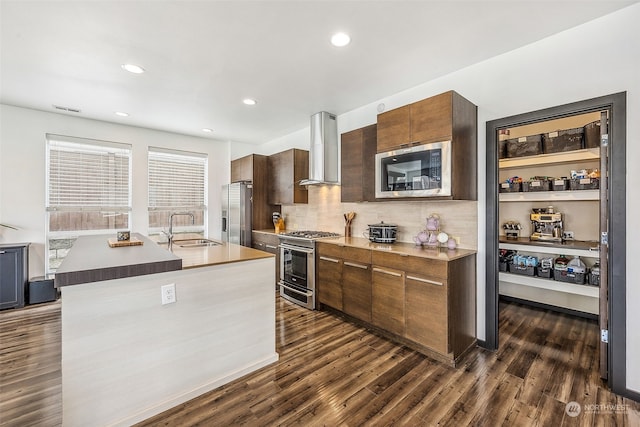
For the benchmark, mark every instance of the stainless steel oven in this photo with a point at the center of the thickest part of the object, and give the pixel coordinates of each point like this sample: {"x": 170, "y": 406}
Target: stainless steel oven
{"x": 420, "y": 171}
{"x": 297, "y": 273}
{"x": 297, "y": 266}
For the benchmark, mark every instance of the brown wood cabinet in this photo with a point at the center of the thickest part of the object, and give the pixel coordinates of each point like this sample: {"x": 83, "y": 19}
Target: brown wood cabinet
{"x": 254, "y": 168}
{"x": 268, "y": 242}
{"x": 358, "y": 151}
{"x": 242, "y": 168}
{"x": 428, "y": 304}
{"x": 356, "y": 282}
{"x": 286, "y": 170}
{"x": 430, "y": 120}
{"x": 444, "y": 117}
{"x": 387, "y": 299}
{"x": 329, "y": 275}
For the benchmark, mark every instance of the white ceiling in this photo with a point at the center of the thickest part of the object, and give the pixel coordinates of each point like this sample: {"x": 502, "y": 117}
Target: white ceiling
{"x": 203, "y": 57}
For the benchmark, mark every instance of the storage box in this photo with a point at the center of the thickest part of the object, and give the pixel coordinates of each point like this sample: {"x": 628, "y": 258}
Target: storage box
{"x": 546, "y": 273}
{"x": 41, "y": 289}
{"x": 525, "y": 271}
{"x": 592, "y": 135}
{"x": 593, "y": 279}
{"x": 536, "y": 185}
{"x": 524, "y": 146}
{"x": 568, "y": 275}
{"x": 563, "y": 140}
{"x": 502, "y": 149}
{"x": 585, "y": 183}
{"x": 561, "y": 184}
{"x": 503, "y": 265}
{"x": 510, "y": 187}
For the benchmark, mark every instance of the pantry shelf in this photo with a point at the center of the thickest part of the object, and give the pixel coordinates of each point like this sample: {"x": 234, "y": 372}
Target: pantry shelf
{"x": 551, "y": 196}
{"x": 553, "y": 285}
{"x": 584, "y": 155}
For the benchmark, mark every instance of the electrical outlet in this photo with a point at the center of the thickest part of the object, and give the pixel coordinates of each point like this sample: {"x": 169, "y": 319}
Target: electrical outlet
{"x": 168, "y": 293}
{"x": 567, "y": 235}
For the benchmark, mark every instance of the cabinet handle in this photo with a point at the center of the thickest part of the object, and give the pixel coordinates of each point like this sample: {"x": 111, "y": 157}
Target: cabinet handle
{"x": 390, "y": 273}
{"x": 329, "y": 259}
{"x": 272, "y": 247}
{"x": 420, "y": 279}
{"x": 350, "y": 264}
{"x": 3, "y": 252}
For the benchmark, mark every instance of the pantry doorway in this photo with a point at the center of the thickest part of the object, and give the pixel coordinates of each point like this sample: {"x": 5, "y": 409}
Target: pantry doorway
{"x": 574, "y": 177}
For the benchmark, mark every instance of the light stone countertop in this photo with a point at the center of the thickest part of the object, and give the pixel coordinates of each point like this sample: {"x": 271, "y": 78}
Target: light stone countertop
{"x": 442, "y": 254}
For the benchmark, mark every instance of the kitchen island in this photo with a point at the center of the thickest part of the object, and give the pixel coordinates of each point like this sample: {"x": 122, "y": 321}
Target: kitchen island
{"x": 126, "y": 356}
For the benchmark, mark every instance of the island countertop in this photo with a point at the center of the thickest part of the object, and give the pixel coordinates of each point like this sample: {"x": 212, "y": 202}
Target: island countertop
{"x": 92, "y": 260}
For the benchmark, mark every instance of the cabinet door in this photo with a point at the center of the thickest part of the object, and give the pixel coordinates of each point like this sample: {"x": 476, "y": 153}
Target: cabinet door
{"x": 12, "y": 278}
{"x": 286, "y": 170}
{"x": 329, "y": 281}
{"x": 358, "y": 152}
{"x": 356, "y": 289}
{"x": 426, "y": 311}
{"x": 394, "y": 129}
{"x": 267, "y": 243}
{"x": 431, "y": 119}
{"x": 242, "y": 169}
{"x": 387, "y": 299}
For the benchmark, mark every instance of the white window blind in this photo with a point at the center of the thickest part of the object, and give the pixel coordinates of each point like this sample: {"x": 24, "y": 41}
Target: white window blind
{"x": 87, "y": 175}
{"x": 177, "y": 180}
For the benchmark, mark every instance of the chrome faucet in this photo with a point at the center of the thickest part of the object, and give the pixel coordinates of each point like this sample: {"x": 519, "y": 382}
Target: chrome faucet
{"x": 170, "y": 233}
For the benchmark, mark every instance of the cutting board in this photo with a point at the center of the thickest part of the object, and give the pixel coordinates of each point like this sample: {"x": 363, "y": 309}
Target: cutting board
{"x": 114, "y": 243}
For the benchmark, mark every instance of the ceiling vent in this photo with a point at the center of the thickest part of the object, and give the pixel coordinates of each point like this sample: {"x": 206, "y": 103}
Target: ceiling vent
{"x": 67, "y": 109}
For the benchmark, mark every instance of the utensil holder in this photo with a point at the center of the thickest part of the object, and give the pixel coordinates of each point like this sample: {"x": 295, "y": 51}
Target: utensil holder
{"x": 347, "y": 230}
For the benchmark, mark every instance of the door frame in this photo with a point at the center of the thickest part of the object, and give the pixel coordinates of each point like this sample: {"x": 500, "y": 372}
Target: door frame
{"x": 616, "y": 104}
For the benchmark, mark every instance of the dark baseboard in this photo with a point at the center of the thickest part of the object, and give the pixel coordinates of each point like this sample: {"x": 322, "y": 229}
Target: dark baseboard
{"x": 549, "y": 307}
{"x": 630, "y": 394}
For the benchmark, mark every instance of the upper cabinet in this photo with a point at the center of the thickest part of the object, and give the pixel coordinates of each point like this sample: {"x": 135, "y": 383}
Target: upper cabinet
{"x": 358, "y": 150}
{"x": 444, "y": 117}
{"x": 242, "y": 169}
{"x": 286, "y": 170}
{"x": 254, "y": 168}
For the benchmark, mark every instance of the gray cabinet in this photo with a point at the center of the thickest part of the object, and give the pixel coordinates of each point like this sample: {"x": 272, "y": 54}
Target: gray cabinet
{"x": 13, "y": 274}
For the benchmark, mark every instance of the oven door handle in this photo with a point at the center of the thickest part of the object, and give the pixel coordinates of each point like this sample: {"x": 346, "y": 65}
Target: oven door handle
{"x": 296, "y": 248}
{"x": 306, "y": 294}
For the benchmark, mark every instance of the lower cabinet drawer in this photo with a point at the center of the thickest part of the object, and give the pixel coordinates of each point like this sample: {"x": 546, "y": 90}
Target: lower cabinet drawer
{"x": 426, "y": 312}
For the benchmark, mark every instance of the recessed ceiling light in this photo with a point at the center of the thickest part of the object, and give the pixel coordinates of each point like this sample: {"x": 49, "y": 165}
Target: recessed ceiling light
{"x": 207, "y": 130}
{"x": 249, "y": 101}
{"x": 122, "y": 114}
{"x": 340, "y": 39}
{"x": 133, "y": 68}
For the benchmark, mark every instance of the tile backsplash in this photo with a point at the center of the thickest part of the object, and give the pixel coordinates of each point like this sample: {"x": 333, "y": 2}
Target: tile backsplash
{"x": 325, "y": 212}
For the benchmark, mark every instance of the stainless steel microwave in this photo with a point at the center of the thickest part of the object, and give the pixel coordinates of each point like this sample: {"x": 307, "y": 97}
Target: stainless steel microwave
{"x": 419, "y": 171}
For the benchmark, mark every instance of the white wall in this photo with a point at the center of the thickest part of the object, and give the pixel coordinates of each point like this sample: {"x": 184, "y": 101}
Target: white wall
{"x": 570, "y": 66}
{"x": 22, "y": 171}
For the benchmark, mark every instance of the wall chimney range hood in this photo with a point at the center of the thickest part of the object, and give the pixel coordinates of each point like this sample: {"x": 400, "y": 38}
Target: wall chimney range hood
{"x": 323, "y": 152}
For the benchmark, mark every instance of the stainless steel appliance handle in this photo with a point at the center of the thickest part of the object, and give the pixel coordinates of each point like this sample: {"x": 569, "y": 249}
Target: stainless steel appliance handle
{"x": 420, "y": 279}
{"x": 350, "y": 264}
{"x": 390, "y": 273}
{"x": 324, "y": 258}
{"x": 306, "y": 294}
{"x": 3, "y": 252}
{"x": 272, "y": 247}
{"x": 296, "y": 248}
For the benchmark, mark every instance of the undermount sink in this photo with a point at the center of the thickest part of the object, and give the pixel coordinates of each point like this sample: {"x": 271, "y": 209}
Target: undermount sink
{"x": 195, "y": 243}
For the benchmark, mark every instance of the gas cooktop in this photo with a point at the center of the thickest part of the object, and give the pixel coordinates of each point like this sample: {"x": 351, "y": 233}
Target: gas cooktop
{"x": 309, "y": 234}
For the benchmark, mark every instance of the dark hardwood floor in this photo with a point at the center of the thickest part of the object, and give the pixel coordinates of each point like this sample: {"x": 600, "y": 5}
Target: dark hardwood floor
{"x": 334, "y": 373}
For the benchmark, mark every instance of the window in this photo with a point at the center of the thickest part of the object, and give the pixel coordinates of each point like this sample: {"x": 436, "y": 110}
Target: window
{"x": 177, "y": 183}
{"x": 88, "y": 191}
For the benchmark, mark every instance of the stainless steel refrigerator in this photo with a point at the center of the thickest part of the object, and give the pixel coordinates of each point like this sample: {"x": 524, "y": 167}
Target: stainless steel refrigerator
{"x": 236, "y": 213}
